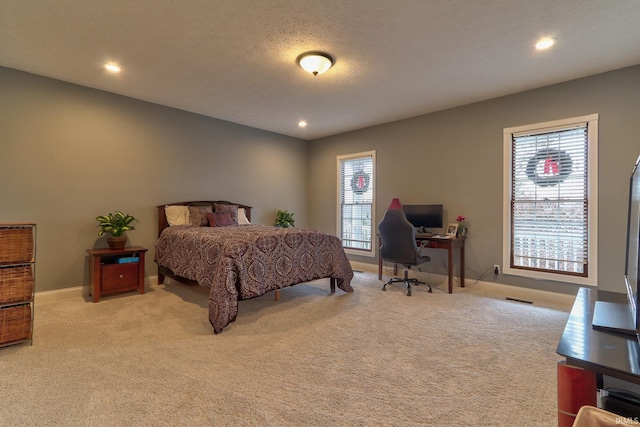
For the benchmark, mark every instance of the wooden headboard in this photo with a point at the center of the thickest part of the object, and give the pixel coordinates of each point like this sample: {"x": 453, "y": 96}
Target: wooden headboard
{"x": 162, "y": 218}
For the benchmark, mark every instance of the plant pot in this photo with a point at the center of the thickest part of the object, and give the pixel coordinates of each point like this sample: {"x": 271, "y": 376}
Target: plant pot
{"x": 117, "y": 242}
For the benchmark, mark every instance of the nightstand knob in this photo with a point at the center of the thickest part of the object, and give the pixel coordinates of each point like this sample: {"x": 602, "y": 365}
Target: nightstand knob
{"x": 121, "y": 276}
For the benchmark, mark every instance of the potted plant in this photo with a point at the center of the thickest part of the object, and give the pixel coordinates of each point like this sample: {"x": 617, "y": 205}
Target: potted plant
{"x": 116, "y": 224}
{"x": 284, "y": 219}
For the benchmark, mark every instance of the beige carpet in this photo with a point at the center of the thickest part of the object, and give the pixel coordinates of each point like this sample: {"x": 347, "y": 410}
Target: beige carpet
{"x": 370, "y": 358}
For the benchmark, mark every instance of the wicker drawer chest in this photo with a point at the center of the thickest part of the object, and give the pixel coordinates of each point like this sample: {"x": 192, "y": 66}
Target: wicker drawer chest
{"x": 17, "y": 282}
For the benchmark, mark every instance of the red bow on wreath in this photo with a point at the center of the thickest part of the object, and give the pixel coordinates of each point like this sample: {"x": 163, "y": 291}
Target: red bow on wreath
{"x": 551, "y": 166}
{"x": 556, "y": 167}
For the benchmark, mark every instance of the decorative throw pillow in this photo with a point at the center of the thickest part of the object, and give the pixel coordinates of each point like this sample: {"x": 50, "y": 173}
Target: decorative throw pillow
{"x": 220, "y": 220}
{"x": 177, "y": 215}
{"x": 232, "y": 210}
{"x": 198, "y": 215}
{"x": 242, "y": 217}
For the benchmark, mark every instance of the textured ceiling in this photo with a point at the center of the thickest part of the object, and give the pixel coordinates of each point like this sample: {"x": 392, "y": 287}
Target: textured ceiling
{"x": 235, "y": 59}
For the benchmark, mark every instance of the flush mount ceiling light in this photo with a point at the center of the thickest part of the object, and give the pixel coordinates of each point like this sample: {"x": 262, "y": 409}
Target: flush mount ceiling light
{"x": 315, "y": 62}
{"x": 545, "y": 43}
{"x": 112, "y": 68}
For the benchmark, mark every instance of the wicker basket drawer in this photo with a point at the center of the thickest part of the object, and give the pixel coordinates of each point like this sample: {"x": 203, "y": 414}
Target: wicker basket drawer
{"x": 16, "y": 244}
{"x": 15, "y": 323}
{"x": 16, "y": 284}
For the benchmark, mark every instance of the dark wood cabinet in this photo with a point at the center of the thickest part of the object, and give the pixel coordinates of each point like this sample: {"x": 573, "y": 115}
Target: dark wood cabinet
{"x": 116, "y": 270}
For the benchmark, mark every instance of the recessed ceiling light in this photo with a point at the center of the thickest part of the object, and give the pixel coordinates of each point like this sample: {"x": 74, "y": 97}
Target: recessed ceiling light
{"x": 112, "y": 68}
{"x": 302, "y": 124}
{"x": 545, "y": 43}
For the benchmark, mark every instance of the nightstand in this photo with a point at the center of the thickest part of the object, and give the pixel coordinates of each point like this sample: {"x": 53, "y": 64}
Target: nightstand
{"x": 116, "y": 270}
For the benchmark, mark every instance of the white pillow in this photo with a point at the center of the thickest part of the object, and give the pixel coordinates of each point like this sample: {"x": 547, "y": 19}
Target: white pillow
{"x": 177, "y": 215}
{"x": 242, "y": 217}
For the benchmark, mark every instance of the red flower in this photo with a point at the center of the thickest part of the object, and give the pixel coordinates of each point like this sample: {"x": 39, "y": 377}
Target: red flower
{"x": 460, "y": 218}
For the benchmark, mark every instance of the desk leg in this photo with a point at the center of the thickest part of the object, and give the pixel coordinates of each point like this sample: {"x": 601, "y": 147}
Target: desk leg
{"x": 450, "y": 269}
{"x": 462, "y": 266}
{"x": 379, "y": 259}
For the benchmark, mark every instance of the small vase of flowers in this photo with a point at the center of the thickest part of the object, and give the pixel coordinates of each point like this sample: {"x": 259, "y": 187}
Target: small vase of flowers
{"x": 462, "y": 228}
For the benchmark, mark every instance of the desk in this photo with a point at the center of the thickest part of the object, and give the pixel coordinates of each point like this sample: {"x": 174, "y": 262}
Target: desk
{"x": 435, "y": 243}
{"x": 604, "y": 353}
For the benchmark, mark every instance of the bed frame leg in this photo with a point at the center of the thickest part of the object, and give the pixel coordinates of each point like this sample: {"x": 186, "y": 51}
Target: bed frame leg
{"x": 160, "y": 279}
{"x": 332, "y": 284}
{"x": 277, "y": 294}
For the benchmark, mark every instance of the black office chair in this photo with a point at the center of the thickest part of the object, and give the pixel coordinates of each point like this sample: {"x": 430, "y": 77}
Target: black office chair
{"x": 399, "y": 246}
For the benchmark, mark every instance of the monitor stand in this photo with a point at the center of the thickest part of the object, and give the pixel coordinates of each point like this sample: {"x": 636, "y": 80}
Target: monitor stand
{"x": 424, "y": 232}
{"x": 613, "y": 317}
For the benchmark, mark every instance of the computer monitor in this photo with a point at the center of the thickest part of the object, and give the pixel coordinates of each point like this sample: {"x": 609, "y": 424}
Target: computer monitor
{"x": 424, "y": 217}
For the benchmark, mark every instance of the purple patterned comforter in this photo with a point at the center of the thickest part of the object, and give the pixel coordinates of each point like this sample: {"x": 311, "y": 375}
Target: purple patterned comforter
{"x": 246, "y": 261}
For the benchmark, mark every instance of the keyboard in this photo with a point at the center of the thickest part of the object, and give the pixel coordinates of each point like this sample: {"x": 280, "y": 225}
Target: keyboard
{"x": 424, "y": 235}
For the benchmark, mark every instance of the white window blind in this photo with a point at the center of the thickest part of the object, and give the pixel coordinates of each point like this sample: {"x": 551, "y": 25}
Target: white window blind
{"x": 549, "y": 204}
{"x": 356, "y": 201}
{"x": 550, "y": 209}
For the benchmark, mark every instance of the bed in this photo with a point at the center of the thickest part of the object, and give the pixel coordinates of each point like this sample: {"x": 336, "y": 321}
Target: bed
{"x": 239, "y": 260}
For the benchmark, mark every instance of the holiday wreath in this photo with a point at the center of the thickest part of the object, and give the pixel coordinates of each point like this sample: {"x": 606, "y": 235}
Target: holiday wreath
{"x": 360, "y": 182}
{"x": 556, "y": 168}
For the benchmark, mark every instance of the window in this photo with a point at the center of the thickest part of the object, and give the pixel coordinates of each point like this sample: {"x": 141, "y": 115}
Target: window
{"x": 550, "y": 200}
{"x": 356, "y": 181}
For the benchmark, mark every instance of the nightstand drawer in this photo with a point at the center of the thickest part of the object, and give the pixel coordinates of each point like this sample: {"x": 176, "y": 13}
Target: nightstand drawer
{"x": 119, "y": 277}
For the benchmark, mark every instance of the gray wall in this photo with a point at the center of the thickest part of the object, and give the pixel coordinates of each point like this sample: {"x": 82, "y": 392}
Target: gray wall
{"x": 454, "y": 157}
{"x": 69, "y": 153}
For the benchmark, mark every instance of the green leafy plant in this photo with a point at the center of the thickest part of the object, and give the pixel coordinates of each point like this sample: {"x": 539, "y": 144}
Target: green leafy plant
{"x": 116, "y": 223}
{"x": 284, "y": 219}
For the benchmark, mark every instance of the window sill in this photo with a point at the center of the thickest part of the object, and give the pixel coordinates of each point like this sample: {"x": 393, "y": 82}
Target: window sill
{"x": 359, "y": 252}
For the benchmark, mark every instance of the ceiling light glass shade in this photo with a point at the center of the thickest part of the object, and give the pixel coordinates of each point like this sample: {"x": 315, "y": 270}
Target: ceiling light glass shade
{"x": 545, "y": 43}
{"x": 111, "y": 67}
{"x": 315, "y": 62}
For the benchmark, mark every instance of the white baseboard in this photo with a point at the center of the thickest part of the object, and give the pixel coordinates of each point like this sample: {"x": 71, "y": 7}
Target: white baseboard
{"x": 75, "y": 292}
{"x": 493, "y": 289}
{"x": 489, "y": 288}
{"x": 519, "y": 293}
{"x": 58, "y": 294}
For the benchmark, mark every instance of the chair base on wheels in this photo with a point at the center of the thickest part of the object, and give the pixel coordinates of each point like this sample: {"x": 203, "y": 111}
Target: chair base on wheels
{"x": 406, "y": 279}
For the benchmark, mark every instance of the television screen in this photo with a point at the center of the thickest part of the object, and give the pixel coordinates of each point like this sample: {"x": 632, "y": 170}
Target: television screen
{"x": 625, "y": 318}
{"x": 424, "y": 216}
{"x": 633, "y": 243}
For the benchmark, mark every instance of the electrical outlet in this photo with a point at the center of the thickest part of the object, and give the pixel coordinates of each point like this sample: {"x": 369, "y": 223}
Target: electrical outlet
{"x": 496, "y": 269}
